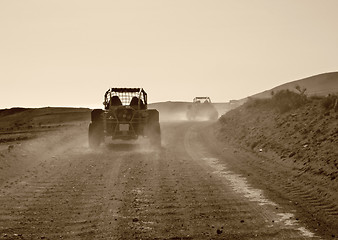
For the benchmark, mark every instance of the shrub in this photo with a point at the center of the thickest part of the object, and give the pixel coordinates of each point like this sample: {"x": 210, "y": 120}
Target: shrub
{"x": 286, "y": 100}
{"x": 283, "y": 100}
{"x": 330, "y": 102}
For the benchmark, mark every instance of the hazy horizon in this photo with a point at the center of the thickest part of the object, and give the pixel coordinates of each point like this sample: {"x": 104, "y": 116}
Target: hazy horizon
{"x": 68, "y": 53}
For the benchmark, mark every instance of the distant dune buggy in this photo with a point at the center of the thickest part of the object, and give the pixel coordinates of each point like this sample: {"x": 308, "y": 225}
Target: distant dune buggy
{"x": 202, "y": 109}
{"x": 125, "y": 116}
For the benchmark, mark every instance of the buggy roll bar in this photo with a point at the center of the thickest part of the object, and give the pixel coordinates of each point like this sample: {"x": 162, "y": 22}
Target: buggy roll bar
{"x": 202, "y": 98}
{"x": 125, "y": 94}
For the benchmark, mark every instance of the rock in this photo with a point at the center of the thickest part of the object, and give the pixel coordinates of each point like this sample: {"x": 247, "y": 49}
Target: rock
{"x": 292, "y": 154}
{"x": 135, "y": 219}
{"x": 219, "y": 231}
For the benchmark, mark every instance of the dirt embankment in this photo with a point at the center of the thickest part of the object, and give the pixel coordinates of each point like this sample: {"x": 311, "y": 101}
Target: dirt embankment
{"x": 301, "y": 139}
{"x": 307, "y": 137}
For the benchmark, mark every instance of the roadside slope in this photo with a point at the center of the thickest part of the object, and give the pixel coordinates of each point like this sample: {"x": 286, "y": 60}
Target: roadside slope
{"x": 318, "y": 85}
{"x": 303, "y": 139}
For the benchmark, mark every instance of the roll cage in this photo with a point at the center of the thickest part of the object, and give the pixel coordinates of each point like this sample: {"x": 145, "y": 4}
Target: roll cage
{"x": 125, "y": 97}
{"x": 202, "y": 100}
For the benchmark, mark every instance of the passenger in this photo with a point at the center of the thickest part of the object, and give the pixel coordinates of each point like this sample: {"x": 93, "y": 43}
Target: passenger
{"x": 134, "y": 102}
{"x": 115, "y": 101}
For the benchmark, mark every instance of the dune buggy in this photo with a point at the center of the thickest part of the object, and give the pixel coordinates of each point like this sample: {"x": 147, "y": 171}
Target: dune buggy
{"x": 202, "y": 109}
{"x": 125, "y": 116}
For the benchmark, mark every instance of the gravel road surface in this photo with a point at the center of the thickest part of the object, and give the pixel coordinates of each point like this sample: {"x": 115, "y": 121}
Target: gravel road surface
{"x": 55, "y": 187}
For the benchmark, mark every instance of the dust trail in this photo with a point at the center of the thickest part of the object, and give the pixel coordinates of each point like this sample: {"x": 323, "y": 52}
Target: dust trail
{"x": 141, "y": 145}
{"x": 64, "y": 140}
{"x": 173, "y": 116}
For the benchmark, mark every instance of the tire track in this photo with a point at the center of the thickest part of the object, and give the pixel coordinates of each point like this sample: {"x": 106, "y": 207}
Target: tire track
{"x": 129, "y": 191}
{"x": 265, "y": 208}
{"x": 67, "y": 199}
{"x": 315, "y": 203}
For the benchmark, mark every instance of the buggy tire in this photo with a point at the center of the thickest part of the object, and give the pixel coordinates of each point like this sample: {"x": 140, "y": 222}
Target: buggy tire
{"x": 96, "y": 115}
{"x": 154, "y": 116}
{"x": 95, "y": 134}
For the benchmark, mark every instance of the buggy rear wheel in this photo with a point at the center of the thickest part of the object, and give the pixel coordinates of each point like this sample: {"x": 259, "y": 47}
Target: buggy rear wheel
{"x": 95, "y": 134}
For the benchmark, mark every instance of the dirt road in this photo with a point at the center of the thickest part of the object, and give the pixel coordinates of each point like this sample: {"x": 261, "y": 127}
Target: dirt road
{"x": 58, "y": 188}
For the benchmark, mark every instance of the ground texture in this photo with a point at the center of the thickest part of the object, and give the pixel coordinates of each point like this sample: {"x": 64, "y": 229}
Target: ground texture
{"x": 303, "y": 140}
{"x": 195, "y": 187}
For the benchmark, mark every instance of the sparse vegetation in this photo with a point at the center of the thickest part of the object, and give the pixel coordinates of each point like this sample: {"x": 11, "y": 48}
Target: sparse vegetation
{"x": 286, "y": 100}
{"x": 330, "y": 102}
{"x": 283, "y": 101}
{"x": 300, "y": 90}
{"x": 299, "y": 129}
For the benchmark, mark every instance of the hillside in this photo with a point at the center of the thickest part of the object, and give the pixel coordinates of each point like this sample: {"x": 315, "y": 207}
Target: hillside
{"x": 318, "y": 85}
{"x": 28, "y": 118}
{"x": 298, "y": 134}
{"x": 304, "y": 136}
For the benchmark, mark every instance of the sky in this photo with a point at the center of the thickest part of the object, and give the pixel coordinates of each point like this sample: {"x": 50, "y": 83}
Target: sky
{"x": 69, "y": 52}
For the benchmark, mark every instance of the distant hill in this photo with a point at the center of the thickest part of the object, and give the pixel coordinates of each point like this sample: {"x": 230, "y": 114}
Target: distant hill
{"x": 319, "y": 85}
{"x": 29, "y": 117}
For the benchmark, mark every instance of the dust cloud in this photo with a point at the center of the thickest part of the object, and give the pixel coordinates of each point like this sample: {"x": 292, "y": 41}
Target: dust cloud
{"x": 141, "y": 145}
{"x": 178, "y": 111}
